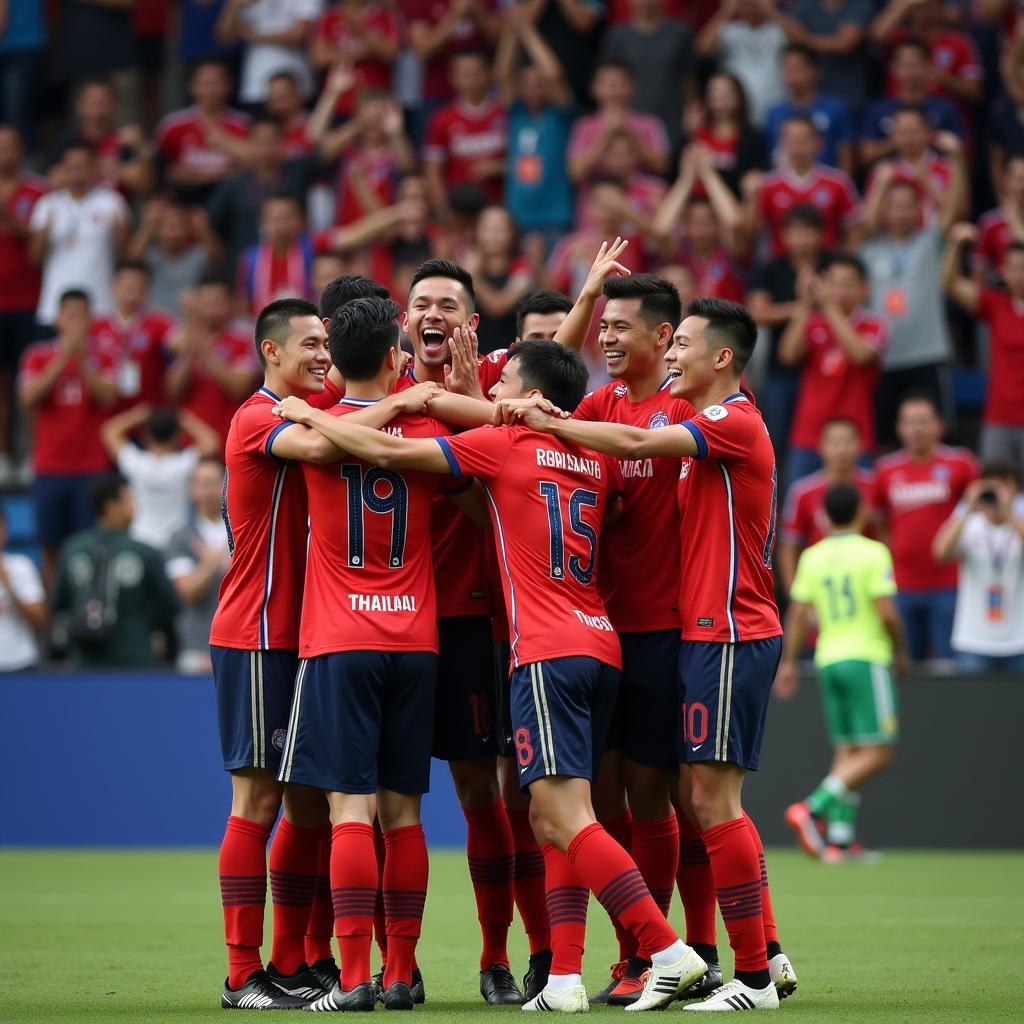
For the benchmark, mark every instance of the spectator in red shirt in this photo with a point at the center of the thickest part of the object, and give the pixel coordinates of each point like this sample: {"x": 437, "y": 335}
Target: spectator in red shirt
{"x": 200, "y": 145}
{"x": 285, "y": 105}
{"x": 916, "y": 490}
{"x": 839, "y": 345}
{"x": 67, "y": 385}
{"x": 468, "y": 138}
{"x": 135, "y": 336}
{"x": 1002, "y": 226}
{"x": 363, "y": 36}
{"x": 1002, "y": 433}
{"x": 281, "y": 264}
{"x": 214, "y": 367}
{"x": 804, "y": 520}
{"x": 19, "y": 276}
{"x": 800, "y": 179}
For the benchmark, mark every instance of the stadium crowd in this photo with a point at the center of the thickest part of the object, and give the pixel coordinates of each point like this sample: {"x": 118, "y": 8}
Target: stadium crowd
{"x": 852, "y": 170}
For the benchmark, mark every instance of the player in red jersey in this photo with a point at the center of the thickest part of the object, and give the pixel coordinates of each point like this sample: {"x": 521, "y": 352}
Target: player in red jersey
{"x": 804, "y": 520}
{"x": 731, "y": 636}
{"x": 547, "y": 500}
{"x": 916, "y": 491}
{"x": 999, "y": 228}
{"x": 254, "y": 640}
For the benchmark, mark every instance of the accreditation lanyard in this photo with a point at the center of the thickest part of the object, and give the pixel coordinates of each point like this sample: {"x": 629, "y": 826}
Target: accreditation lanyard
{"x": 998, "y": 555}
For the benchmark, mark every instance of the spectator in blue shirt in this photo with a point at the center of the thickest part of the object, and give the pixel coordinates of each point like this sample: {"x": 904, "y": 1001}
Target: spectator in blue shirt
{"x": 801, "y": 73}
{"x": 22, "y": 39}
{"x": 541, "y": 108}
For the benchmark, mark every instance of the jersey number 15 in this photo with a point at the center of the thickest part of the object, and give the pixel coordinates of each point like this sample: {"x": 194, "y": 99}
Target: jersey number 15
{"x": 582, "y": 570}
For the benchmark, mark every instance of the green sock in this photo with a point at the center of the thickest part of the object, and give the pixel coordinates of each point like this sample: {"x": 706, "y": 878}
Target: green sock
{"x": 842, "y": 819}
{"x": 830, "y": 789}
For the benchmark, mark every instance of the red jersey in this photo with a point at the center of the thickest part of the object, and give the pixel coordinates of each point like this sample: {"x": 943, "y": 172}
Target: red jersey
{"x": 916, "y": 498}
{"x": 264, "y": 509}
{"x": 1005, "y": 317}
{"x": 723, "y": 150}
{"x": 460, "y": 137}
{"x": 465, "y": 36}
{"x": 995, "y": 236}
{"x": 639, "y": 577}
{"x": 138, "y": 347}
{"x": 205, "y": 397}
{"x": 296, "y": 138}
{"x": 19, "y": 276}
{"x": 953, "y": 52}
{"x": 830, "y": 190}
{"x": 804, "y": 520}
{"x": 181, "y": 139}
{"x": 938, "y": 170}
{"x": 377, "y": 170}
{"x": 718, "y": 276}
{"x": 66, "y": 431}
{"x": 547, "y": 500}
{"x": 832, "y": 385}
{"x": 377, "y": 22}
{"x": 369, "y": 577}
{"x": 729, "y": 498}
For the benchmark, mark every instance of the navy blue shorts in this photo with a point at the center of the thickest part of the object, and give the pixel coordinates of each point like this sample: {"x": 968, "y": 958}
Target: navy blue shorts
{"x": 63, "y": 504}
{"x": 464, "y": 719}
{"x": 723, "y": 695}
{"x": 561, "y": 710}
{"x": 254, "y": 696}
{"x": 362, "y": 721}
{"x": 503, "y": 698}
{"x": 644, "y": 726}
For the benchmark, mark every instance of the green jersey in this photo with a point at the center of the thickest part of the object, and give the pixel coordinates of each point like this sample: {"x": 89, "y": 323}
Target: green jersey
{"x": 841, "y": 576}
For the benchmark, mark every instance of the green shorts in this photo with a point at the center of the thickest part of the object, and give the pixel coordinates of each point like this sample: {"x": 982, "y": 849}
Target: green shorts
{"x": 860, "y": 702}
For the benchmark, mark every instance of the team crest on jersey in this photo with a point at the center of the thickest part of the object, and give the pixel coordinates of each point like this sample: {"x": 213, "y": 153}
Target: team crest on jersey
{"x": 658, "y": 419}
{"x": 821, "y": 197}
{"x": 716, "y": 412}
{"x": 940, "y": 473}
{"x": 619, "y": 391}
{"x": 496, "y": 356}
{"x": 684, "y": 469}
{"x": 278, "y": 739}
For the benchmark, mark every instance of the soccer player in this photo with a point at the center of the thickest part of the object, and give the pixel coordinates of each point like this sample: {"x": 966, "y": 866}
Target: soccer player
{"x": 848, "y": 581}
{"x": 547, "y": 500}
{"x": 360, "y": 725}
{"x": 731, "y": 635}
{"x": 254, "y": 640}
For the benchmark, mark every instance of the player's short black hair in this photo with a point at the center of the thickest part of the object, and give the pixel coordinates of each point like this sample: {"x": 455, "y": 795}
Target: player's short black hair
{"x": 556, "y": 371}
{"x": 846, "y": 259}
{"x": 799, "y": 50}
{"x": 346, "y": 288}
{"x": 659, "y": 299}
{"x": 136, "y": 266}
{"x": 842, "y": 502}
{"x": 73, "y": 295}
{"x": 729, "y": 325}
{"x": 77, "y": 144}
{"x": 275, "y": 321}
{"x": 104, "y": 490}
{"x": 543, "y": 301}
{"x": 360, "y": 334}
{"x": 437, "y": 267}
{"x": 806, "y": 214}
{"x": 472, "y": 51}
{"x": 207, "y": 62}
{"x": 162, "y": 424}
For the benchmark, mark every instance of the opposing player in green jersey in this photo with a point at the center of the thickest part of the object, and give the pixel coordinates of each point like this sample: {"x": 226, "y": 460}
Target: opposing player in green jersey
{"x": 847, "y": 581}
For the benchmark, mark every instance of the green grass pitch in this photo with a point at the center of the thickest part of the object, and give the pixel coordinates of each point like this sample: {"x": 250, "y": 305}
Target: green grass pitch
{"x": 97, "y": 936}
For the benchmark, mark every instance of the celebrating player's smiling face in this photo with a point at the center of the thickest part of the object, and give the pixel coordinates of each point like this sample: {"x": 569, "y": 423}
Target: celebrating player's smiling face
{"x": 510, "y": 384}
{"x": 630, "y": 345}
{"x": 301, "y": 359}
{"x": 691, "y": 359}
{"x": 437, "y": 305}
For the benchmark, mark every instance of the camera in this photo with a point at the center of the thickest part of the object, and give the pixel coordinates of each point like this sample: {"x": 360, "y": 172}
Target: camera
{"x": 988, "y": 497}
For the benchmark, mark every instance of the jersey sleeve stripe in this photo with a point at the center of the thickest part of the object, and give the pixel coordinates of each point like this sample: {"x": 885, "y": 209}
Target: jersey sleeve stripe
{"x": 698, "y": 436}
{"x": 449, "y": 455}
{"x": 269, "y": 446}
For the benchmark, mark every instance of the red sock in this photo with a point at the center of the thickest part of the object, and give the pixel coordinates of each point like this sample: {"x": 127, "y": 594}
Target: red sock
{"x": 620, "y": 828}
{"x": 656, "y": 852}
{"x": 405, "y": 892}
{"x": 610, "y": 873}
{"x": 294, "y": 855}
{"x": 767, "y": 914}
{"x": 696, "y": 885}
{"x": 491, "y": 854}
{"x": 380, "y": 928}
{"x": 737, "y": 875}
{"x": 529, "y": 882}
{"x": 353, "y": 891}
{"x": 243, "y": 894}
{"x": 320, "y": 929}
{"x": 567, "y": 899}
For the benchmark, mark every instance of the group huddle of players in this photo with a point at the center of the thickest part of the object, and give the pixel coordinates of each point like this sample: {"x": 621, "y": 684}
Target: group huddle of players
{"x": 567, "y": 596}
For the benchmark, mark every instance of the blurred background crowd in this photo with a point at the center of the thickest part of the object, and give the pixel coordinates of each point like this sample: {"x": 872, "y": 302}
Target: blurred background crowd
{"x": 853, "y": 170}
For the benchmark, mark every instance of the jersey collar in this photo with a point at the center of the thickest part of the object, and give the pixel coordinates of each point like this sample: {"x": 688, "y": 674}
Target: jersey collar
{"x": 738, "y": 397}
{"x": 360, "y": 402}
{"x": 270, "y": 394}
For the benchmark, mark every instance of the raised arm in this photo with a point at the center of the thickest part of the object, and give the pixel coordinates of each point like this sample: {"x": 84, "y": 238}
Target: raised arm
{"x": 962, "y": 289}
{"x": 204, "y": 437}
{"x": 115, "y": 431}
{"x": 707, "y": 39}
{"x": 545, "y": 60}
{"x": 574, "y": 328}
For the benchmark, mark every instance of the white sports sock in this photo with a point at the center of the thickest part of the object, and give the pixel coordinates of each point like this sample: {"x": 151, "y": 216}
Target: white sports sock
{"x": 563, "y": 982}
{"x": 834, "y": 785}
{"x": 670, "y": 955}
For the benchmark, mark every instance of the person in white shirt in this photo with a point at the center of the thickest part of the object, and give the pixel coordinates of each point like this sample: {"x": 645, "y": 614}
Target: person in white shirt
{"x": 76, "y": 233}
{"x": 276, "y": 33}
{"x": 159, "y": 471}
{"x": 986, "y": 536}
{"x": 22, "y": 608}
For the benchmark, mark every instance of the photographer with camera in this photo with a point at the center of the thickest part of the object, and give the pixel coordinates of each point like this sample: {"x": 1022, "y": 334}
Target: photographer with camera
{"x": 985, "y": 535}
